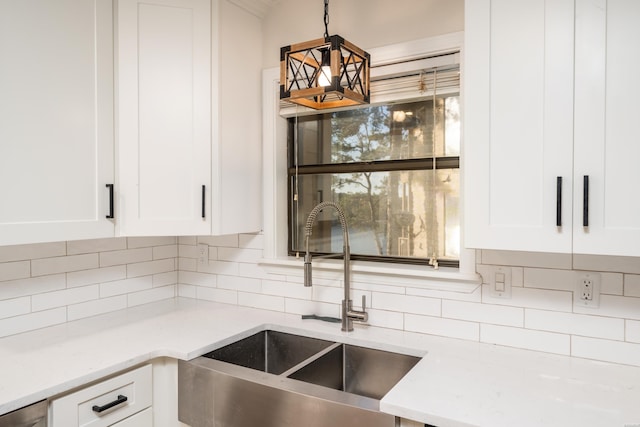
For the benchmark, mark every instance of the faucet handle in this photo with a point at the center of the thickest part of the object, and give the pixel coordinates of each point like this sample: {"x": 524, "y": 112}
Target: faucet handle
{"x": 364, "y": 302}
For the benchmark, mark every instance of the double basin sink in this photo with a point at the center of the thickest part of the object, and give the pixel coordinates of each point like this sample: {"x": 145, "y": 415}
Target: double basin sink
{"x": 278, "y": 379}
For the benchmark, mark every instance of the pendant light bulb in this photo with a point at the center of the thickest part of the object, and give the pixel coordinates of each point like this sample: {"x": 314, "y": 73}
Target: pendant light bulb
{"x": 324, "y": 78}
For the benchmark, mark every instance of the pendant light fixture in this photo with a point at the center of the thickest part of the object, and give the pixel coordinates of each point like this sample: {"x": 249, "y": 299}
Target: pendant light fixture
{"x": 324, "y": 73}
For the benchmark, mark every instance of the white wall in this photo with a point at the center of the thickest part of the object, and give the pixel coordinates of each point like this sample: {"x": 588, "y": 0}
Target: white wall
{"x": 366, "y": 23}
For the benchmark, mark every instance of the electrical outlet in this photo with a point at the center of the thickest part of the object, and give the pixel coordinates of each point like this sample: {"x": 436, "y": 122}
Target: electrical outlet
{"x": 203, "y": 254}
{"x": 587, "y": 293}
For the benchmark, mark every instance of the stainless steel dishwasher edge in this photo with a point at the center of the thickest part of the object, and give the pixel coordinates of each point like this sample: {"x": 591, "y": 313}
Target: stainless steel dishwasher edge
{"x": 30, "y": 416}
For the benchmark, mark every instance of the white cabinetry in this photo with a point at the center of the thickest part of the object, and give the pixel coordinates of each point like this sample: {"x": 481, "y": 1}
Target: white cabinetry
{"x": 607, "y": 135}
{"x": 520, "y": 131}
{"x": 164, "y": 116}
{"x": 56, "y": 119}
{"x": 237, "y": 120}
{"x": 124, "y": 400}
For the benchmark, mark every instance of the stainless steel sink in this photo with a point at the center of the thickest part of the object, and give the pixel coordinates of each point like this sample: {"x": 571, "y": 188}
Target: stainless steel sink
{"x": 269, "y": 351}
{"x": 274, "y": 379}
{"x": 358, "y": 370}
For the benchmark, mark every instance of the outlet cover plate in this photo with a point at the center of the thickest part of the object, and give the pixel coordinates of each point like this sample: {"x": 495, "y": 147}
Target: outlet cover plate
{"x": 500, "y": 282}
{"x": 587, "y": 290}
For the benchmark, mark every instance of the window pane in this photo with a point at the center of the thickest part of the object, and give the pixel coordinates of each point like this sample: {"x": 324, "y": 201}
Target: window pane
{"x": 399, "y": 214}
{"x": 386, "y": 132}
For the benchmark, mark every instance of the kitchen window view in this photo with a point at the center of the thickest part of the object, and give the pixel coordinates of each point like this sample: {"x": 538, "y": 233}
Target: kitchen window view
{"x": 394, "y": 169}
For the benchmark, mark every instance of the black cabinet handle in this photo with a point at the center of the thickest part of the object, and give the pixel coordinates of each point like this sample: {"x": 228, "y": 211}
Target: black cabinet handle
{"x": 110, "y": 187}
{"x": 585, "y": 201}
{"x": 121, "y": 399}
{"x": 559, "y": 201}
{"x": 203, "y": 193}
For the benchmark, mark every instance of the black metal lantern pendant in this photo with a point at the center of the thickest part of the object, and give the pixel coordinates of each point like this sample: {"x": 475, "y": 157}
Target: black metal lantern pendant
{"x": 324, "y": 73}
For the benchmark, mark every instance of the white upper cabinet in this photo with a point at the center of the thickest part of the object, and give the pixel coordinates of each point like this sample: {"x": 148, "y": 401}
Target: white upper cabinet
{"x": 607, "y": 134}
{"x": 518, "y": 124}
{"x": 237, "y": 120}
{"x": 56, "y": 120}
{"x": 164, "y": 116}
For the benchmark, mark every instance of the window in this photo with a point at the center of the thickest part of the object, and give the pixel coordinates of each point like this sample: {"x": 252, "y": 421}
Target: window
{"x": 393, "y": 168}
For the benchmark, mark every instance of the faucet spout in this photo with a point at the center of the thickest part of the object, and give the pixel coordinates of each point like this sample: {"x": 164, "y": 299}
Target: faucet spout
{"x": 348, "y": 313}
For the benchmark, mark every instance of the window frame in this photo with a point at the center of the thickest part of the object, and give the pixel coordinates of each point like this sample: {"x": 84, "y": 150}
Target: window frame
{"x": 275, "y": 187}
{"x": 396, "y": 165}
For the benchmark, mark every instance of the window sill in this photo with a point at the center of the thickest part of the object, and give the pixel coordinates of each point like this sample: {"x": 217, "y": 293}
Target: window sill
{"x": 443, "y": 279}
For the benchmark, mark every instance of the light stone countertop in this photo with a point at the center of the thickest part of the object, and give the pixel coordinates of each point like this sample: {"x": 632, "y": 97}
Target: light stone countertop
{"x": 457, "y": 383}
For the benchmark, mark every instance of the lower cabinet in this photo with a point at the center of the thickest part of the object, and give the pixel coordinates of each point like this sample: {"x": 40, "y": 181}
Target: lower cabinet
{"x": 123, "y": 401}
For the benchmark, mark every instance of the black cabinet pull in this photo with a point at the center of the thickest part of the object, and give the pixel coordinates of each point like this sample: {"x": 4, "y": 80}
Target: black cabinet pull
{"x": 585, "y": 201}
{"x": 559, "y": 201}
{"x": 203, "y": 193}
{"x": 110, "y": 214}
{"x": 121, "y": 399}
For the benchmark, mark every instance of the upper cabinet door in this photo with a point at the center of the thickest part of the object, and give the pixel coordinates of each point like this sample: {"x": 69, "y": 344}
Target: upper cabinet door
{"x": 164, "y": 116}
{"x": 607, "y": 135}
{"x": 237, "y": 120}
{"x": 518, "y": 124}
{"x": 56, "y": 119}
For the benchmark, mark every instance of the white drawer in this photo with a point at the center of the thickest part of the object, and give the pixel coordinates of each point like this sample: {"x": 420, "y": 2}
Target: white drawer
{"x": 141, "y": 419}
{"x": 86, "y": 407}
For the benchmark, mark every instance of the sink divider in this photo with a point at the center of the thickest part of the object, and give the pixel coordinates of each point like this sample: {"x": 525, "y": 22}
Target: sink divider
{"x": 310, "y": 359}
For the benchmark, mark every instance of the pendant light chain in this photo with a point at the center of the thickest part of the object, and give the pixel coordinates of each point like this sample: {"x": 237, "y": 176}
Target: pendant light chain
{"x": 326, "y": 19}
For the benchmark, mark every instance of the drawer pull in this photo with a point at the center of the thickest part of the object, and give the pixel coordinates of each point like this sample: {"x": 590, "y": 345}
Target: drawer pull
{"x": 121, "y": 399}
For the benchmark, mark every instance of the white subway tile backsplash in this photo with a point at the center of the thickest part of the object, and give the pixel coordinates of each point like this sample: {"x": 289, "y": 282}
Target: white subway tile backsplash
{"x": 524, "y": 338}
{"x": 151, "y": 295}
{"x": 147, "y": 242}
{"x": 76, "y": 247}
{"x": 266, "y": 302}
{"x": 239, "y": 283}
{"x": 15, "y": 307}
{"x": 167, "y": 251}
{"x": 575, "y": 324}
{"x": 298, "y": 306}
{"x": 219, "y": 267}
{"x": 36, "y": 285}
{"x": 632, "y": 331}
{"x": 612, "y": 283}
{"x": 15, "y": 270}
{"x": 187, "y": 291}
{"x": 475, "y": 296}
{"x": 227, "y": 241}
{"x": 64, "y": 297}
{"x": 526, "y": 259}
{"x": 126, "y": 256}
{"x": 120, "y": 287}
{"x": 95, "y": 307}
{"x": 150, "y": 267}
{"x": 609, "y": 351}
{"x": 406, "y": 304}
{"x": 532, "y": 298}
{"x": 97, "y": 275}
{"x": 188, "y": 240}
{"x": 251, "y": 241}
{"x": 286, "y": 289}
{"x": 547, "y": 278}
{"x": 443, "y": 327}
{"x": 614, "y": 306}
{"x": 32, "y": 321}
{"x": 165, "y": 279}
{"x": 32, "y": 251}
{"x": 386, "y": 319}
{"x": 188, "y": 251}
{"x": 632, "y": 285}
{"x": 225, "y": 296}
{"x": 618, "y": 264}
{"x": 198, "y": 279}
{"x": 484, "y": 313}
{"x": 187, "y": 264}
{"x": 239, "y": 255}
{"x": 46, "y": 266}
